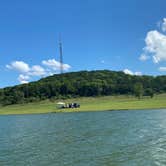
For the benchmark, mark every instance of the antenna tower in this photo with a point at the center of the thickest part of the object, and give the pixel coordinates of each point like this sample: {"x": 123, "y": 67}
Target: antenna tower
{"x": 61, "y": 55}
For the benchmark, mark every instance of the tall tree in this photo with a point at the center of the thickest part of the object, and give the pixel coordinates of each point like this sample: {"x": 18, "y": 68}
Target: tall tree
{"x": 138, "y": 90}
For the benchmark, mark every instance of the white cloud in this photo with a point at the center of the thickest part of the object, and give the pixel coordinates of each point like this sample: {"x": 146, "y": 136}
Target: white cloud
{"x": 159, "y": 24}
{"x": 27, "y": 72}
{"x": 138, "y": 73}
{"x": 143, "y": 57}
{"x": 155, "y": 46}
{"x": 37, "y": 71}
{"x": 23, "y": 79}
{"x": 163, "y": 69}
{"x": 163, "y": 26}
{"x": 20, "y": 66}
{"x": 55, "y": 65}
{"x": 127, "y": 71}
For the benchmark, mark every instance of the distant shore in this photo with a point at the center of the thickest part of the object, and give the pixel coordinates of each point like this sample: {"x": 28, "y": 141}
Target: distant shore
{"x": 106, "y": 103}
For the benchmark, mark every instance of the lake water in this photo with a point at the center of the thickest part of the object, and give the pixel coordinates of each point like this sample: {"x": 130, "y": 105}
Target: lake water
{"x": 117, "y": 138}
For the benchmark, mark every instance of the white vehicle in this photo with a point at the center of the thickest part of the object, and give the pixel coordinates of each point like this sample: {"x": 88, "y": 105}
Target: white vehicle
{"x": 60, "y": 105}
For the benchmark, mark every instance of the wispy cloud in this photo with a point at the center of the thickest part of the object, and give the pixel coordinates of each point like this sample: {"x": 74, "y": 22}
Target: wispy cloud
{"x": 163, "y": 25}
{"x": 163, "y": 69}
{"x": 144, "y": 57}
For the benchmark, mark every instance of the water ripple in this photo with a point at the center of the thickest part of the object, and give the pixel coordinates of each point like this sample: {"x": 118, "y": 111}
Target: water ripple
{"x": 122, "y": 138}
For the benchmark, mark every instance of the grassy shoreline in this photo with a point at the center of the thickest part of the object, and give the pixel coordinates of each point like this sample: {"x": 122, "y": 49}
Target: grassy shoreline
{"x": 106, "y": 103}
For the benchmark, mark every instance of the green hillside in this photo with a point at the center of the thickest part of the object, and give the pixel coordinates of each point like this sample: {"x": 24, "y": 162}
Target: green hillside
{"x": 83, "y": 84}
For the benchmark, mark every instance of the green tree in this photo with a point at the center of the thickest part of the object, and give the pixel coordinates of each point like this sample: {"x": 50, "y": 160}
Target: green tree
{"x": 138, "y": 90}
{"x": 149, "y": 92}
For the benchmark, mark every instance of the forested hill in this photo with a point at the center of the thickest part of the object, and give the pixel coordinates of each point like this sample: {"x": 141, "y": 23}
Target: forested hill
{"x": 83, "y": 83}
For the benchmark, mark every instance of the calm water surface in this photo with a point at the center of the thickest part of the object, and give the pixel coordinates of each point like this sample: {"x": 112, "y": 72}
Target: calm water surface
{"x": 119, "y": 138}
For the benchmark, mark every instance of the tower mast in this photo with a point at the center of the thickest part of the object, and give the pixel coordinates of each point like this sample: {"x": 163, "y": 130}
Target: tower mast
{"x": 61, "y": 55}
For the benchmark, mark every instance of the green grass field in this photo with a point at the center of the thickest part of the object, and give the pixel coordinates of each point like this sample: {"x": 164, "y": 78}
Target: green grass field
{"x": 89, "y": 104}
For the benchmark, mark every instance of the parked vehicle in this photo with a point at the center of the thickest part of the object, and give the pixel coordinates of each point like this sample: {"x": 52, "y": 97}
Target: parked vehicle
{"x": 62, "y": 105}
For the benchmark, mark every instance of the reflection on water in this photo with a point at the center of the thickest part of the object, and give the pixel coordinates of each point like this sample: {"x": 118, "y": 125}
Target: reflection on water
{"x": 119, "y": 138}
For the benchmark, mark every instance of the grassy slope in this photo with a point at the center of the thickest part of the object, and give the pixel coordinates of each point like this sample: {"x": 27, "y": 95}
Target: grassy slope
{"x": 90, "y": 104}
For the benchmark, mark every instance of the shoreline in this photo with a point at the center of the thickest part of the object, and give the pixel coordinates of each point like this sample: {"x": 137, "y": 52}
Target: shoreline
{"x": 88, "y": 104}
{"x": 84, "y": 111}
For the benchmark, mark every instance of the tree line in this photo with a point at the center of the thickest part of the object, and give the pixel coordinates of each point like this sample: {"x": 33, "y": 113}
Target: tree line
{"x": 83, "y": 83}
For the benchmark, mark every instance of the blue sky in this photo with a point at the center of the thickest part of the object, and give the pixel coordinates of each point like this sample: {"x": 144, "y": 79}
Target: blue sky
{"x": 117, "y": 35}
